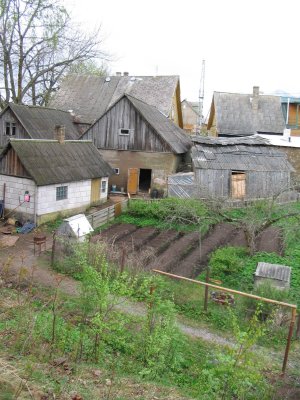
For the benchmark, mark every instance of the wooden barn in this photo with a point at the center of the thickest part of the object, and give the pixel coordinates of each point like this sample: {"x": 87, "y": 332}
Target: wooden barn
{"x": 238, "y": 168}
{"x": 34, "y": 122}
{"x": 41, "y": 179}
{"x": 140, "y": 143}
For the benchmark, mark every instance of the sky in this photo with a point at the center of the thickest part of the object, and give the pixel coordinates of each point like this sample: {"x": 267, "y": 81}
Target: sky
{"x": 244, "y": 43}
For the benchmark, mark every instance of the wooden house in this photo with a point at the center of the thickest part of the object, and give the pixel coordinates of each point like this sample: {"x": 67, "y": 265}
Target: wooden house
{"x": 90, "y": 96}
{"x": 242, "y": 168}
{"x": 140, "y": 143}
{"x": 190, "y": 116}
{"x": 58, "y": 177}
{"x": 291, "y": 112}
{"x": 34, "y": 122}
{"x": 236, "y": 114}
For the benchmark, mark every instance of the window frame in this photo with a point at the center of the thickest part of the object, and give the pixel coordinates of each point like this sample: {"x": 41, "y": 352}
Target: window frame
{"x": 61, "y": 193}
{"x": 125, "y": 133}
{"x": 10, "y": 128}
{"x": 103, "y": 183}
{"x": 117, "y": 171}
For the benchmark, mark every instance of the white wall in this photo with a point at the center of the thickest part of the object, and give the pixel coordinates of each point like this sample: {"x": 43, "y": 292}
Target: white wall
{"x": 79, "y": 194}
{"x": 14, "y": 193}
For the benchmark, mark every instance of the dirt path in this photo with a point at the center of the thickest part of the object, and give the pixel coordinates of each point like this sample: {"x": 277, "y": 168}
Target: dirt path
{"x": 21, "y": 257}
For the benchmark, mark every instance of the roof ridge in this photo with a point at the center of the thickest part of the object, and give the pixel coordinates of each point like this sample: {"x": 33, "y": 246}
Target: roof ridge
{"x": 39, "y": 107}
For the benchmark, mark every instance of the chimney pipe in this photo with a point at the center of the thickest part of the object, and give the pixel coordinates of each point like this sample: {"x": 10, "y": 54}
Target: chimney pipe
{"x": 255, "y": 98}
{"x": 60, "y": 133}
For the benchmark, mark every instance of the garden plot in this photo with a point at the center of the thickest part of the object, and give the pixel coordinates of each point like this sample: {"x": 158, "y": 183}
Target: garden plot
{"x": 177, "y": 252}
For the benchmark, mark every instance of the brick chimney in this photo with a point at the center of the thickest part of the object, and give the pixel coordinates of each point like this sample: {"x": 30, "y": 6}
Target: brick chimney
{"x": 118, "y": 73}
{"x": 255, "y": 98}
{"x": 59, "y": 133}
{"x": 125, "y": 73}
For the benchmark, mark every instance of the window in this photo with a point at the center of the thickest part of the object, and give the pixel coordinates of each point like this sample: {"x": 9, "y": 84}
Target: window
{"x": 10, "y": 128}
{"x": 103, "y": 186}
{"x": 117, "y": 171}
{"x": 61, "y": 192}
{"x": 123, "y": 131}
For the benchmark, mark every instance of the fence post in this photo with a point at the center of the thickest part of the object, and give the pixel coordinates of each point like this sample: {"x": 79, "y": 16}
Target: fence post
{"x": 288, "y": 343}
{"x": 53, "y": 249}
{"x": 298, "y": 327}
{"x": 206, "y": 289}
{"x": 123, "y": 259}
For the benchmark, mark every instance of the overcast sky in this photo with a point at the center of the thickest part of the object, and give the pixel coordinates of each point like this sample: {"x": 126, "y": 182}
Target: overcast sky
{"x": 243, "y": 42}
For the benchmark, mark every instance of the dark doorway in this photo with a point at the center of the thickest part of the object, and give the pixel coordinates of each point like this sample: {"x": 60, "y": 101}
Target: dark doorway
{"x": 145, "y": 180}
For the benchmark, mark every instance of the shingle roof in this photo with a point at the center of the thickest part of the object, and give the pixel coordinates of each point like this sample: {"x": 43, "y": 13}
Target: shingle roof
{"x": 273, "y": 271}
{"x": 90, "y": 96}
{"x": 239, "y": 157}
{"x": 49, "y": 162}
{"x": 176, "y": 138}
{"x": 40, "y": 122}
{"x": 235, "y": 116}
{"x": 225, "y": 141}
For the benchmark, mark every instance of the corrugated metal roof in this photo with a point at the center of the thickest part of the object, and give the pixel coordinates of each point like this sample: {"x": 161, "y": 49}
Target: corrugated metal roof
{"x": 273, "y": 271}
{"x": 176, "y": 138}
{"x": 40, "y": 122}
{"x": 240, "y": 158}
{"x": 235, "y": 116}
{"x": 90, "y": 96}
{"x": 49, "y": 162}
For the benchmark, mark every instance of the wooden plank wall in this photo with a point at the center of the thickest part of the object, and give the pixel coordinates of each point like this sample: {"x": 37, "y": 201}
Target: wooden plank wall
{"x": 20, "y": 131}
{"x": 106, "y": 215}
{"x": 11, "y": 165}
{"x": 217, "y": 183}
{"x": 142, "y": 137}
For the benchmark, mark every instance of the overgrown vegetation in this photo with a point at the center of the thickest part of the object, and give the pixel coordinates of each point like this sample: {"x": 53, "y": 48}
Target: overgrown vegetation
{"x": 169, "y": 214}
{"x": 90, "y": 332}
{"x": 50, "y": 329}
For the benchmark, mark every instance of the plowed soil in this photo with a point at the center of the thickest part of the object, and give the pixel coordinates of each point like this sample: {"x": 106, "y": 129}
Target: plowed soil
{"x": 179, "y": 253}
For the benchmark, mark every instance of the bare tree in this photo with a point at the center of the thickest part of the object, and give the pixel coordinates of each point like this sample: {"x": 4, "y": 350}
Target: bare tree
{"x": 258, "y": 215}
{"x": 38, "y": 44}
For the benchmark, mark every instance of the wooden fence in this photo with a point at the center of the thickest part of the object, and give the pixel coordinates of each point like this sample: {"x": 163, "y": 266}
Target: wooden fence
{"x": 107, "y": 214}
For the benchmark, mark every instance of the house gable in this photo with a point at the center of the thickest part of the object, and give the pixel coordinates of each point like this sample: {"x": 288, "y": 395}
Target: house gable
{"x": 235, "y": 114}
{"x": 8, "y": 119}
{"x": 10, "y": 164}
{"x": 91, "y": 96}
{"x": 123, "y": 115}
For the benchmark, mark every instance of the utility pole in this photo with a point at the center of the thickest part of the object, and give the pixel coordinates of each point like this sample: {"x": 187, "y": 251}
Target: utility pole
{"x": 201, "y": 97}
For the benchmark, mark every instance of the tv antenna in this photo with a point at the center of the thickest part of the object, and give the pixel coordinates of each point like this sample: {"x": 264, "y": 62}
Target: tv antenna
{"x": 201, "y": 97}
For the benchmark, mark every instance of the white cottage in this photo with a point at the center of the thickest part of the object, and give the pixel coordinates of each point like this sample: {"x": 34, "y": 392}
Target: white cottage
{"x": 58, "y": 177}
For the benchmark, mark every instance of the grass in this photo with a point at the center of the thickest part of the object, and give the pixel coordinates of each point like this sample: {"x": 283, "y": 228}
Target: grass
{"x": 35, "y": 364}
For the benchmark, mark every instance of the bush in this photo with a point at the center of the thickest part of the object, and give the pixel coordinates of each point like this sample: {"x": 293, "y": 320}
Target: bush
{"x": 226, "y": 261}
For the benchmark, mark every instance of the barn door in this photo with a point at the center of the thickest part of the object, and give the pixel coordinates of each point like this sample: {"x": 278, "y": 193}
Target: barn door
{"x": 95, "y": 190}
{"x": 133, "y": 180}
{"x": 238, "y": 185}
